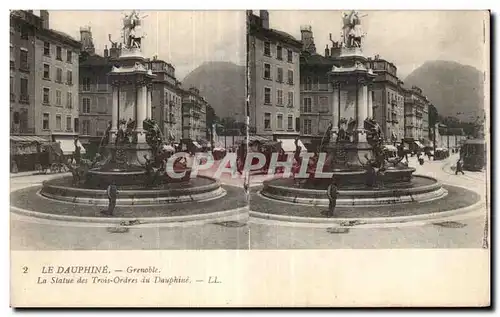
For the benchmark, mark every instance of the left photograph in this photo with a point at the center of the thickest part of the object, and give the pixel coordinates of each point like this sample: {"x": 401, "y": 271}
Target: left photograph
{"x": 125, "y": 128}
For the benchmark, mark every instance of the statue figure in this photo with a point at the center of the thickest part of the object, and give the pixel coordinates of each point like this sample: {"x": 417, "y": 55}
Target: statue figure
{"x": 113, "y": 44}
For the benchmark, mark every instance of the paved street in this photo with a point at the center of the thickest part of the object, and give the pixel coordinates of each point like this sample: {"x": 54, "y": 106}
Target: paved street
{"x": 39, "y": 234}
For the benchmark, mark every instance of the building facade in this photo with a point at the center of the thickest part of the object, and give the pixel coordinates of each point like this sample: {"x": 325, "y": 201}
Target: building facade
{"x": 416, "y": 117}
{"x": 48, "y": 77}
{"x": 95, "y": 97}
{"x": 194, "y": 128}
{"x": 166, "y": 100}
{"x": 274, "y": 83}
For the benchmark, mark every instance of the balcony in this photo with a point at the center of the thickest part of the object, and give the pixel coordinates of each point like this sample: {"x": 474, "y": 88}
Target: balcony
{"x": 24, "y": 68}
{"x": 394, "y": 102}
{"x": 395, "y": 120}
{"x": 418, "y": 114}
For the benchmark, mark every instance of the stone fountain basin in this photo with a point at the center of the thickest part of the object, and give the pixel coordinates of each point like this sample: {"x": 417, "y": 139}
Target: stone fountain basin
{"x": 419, "y": 189}
{"x": 201, "y": 188}
{"x": 99, "y": 178}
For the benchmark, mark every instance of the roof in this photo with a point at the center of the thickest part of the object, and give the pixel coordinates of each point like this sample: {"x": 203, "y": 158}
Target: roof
{"x": 94, "y": 60}
{"x": 315, "y": 59}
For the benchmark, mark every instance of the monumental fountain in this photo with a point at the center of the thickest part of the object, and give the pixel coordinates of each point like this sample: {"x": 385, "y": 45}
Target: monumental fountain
{"x": 127, "y": 152}
{"x": 353, "y": 149}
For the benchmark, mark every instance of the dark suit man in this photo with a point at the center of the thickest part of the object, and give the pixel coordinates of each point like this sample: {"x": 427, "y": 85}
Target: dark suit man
{"x": 332, "y": 192}
{"x": 112, "y": 194}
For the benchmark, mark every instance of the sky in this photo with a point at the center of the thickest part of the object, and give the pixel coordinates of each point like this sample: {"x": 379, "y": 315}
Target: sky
{"x": 186, "y": 39}
{"x": 407, "y": 39}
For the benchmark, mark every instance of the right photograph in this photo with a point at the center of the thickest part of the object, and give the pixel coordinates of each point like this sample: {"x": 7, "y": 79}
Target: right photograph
{"x": 368, "y": 129}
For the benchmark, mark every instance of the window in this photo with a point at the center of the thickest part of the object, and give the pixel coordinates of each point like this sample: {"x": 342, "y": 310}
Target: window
{"x": 86, "y": 84}
{"x": 279, "y": 119}
{"x": 308, "y": 83}
{"x": 58, "y": 98}
{"x": 307, "y": 105}
{"x": 307, "y": 126}
{"x": 46, "y": 71}
{"x": 12, "y": 55}
{"x": 86, "y": 105}
{"x": 267, "y": 48}
{"x": 77, "y": 125}
{"x": 69, "y": 56}
{"x": 46, "y": 121}
{"x": 16, "y": 118}
{"x": 279, "y": 74}
{"x": 46, "y": 48}
{"x": 58, "y": 122}
{"x": 267, "y": 71}
{"x": 69, "y": 101}
{"x": 279, "y": 52}
{"x": 279, "y": 97}
{"x": 24, "y": 95}
{"x": 12, "y": 85}
{"x": 323, "y": 104}
{"x": 86, "y": 127}
{"x": 290, "y": 122}
{"x": 267, "y": 96}
{"x": 68, "y": 123}
{"x": 267, "y": 121}
{"x": 290, "y": 99}
{"x": 24, "y": 60}
{"x": 290, "y": 77}
{"x": 58, "y": 75}
{"x": 69, "y": 77}
{"x": 58, "y": 53}
{"x": 46, "y": 96}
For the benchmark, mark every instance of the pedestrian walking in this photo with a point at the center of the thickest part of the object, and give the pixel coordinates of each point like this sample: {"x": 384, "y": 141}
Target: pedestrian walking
{"x": 332, "y": 192}
{"x": 112, "y": 192}
{"x": 460, "y": 167}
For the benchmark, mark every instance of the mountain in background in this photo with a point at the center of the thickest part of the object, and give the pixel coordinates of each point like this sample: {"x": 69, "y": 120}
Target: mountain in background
{"x": 223, "y": 86}
{"x": 454, "y": 89}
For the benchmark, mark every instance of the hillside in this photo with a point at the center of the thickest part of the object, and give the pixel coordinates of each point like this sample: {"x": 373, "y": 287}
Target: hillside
{"x": 455, "y": 89}
{"x": 223, "y": 85}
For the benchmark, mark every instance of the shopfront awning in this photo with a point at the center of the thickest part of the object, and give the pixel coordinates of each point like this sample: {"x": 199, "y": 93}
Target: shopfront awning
{"x": 288, "y": 145}
{"x": 68, "y": 145}
{"x": 419, "y": 144}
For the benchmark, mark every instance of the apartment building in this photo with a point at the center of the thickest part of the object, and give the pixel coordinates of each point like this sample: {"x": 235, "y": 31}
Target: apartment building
{"x": 416, "y": 117}
{"x": 274, "y": 87}
{"x": 194, "y": 116}
{"x": 167, "y": 100}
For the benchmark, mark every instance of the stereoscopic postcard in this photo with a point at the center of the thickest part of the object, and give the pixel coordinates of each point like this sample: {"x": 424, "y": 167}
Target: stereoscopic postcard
{"x": 249, "y": 158}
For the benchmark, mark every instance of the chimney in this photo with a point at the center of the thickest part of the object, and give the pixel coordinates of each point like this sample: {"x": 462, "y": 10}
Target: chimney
{"x": 44, "y": 16}
{"x": 264, "y": 17}
{"x": 327, "y": 51}
{"x": 106, "y": 51}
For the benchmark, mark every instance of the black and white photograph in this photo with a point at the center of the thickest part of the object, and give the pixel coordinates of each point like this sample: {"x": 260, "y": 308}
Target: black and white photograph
{"x": 119, "y": 121}
{"x": 382, "y": 115}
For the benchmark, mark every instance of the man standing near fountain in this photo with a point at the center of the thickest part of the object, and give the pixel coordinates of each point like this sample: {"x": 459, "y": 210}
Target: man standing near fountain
{"x": 332, "y": 192}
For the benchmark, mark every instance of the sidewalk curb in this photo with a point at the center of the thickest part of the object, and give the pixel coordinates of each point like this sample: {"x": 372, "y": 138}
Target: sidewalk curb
{"x": 181, "y": 220}
{"x": 366, "y": 221}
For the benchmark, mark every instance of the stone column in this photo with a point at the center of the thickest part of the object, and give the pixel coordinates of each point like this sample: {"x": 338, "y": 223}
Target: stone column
{"x": 335, "y": 106}
{"x": 114, "y": 113}
{"x": 370, "y": 103}
{"x": 149, "y": 103}
{"x": 141, "y": 112}
{"x": 361, "y": 110}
